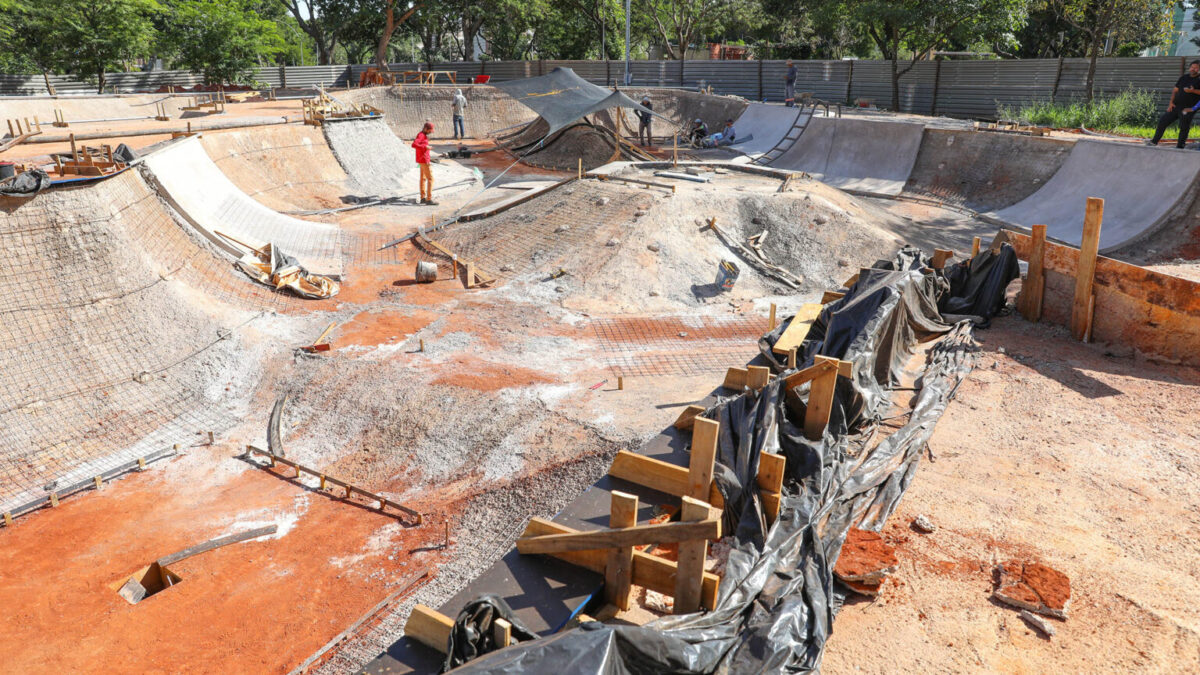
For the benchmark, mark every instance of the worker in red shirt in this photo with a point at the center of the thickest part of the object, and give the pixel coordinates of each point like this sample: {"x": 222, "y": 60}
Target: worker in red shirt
{"x": 421, "y": 144}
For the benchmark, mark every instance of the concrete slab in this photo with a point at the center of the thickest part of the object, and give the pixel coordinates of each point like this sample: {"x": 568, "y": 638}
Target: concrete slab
{"x": 1140, "y": 187}
{"x": 767, "y": 123}
{"x": 211, "y": 203}
{"x": 856, "y": 154}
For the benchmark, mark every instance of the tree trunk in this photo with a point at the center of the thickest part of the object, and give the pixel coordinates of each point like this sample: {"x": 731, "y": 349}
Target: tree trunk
{"x": 1091, "y": 74}
{"x": 896, "y": 79}
{"x": 392, "y": 24}
{"x": 101, "y": 79}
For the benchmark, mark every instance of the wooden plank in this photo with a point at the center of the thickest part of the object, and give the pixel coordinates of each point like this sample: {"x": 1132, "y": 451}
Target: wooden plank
{"x": 618, "y": 573}
{"x": 216, "y": 543}
{"x": 736, "y": 379}
{"x": 1085, "y": 272}
{"x": 758, "y": 377}
{"x": 808, "y": 374}
{"x": 620, "y": 537}
{"x": 975, "y": 247}
{"x": 502, "y": 633}
{"x": 797, "y": 330}
{"x": 690, "y": 568}
{"x": 649, "y": 571}
{"x": 820, "y": 400}
{"x": 429, "y": 627}
{"x": 829, "y": 296}
{"x": 1034, "y": 288}
{"x": 771, "y": 502}
{"x": 771, "y": 471}
{"x": 657, "y": 475}
{"x": 704, "y": 456}
{"x": 687, "y": 417}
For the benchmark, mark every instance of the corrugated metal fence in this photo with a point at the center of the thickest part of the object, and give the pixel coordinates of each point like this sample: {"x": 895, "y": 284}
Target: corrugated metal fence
{"x": 956, "y": 88}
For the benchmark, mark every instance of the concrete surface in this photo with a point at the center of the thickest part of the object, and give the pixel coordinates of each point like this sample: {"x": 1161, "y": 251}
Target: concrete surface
{"x": 211, "y": 203}
{"x": 767, "y": 123}
{"x": 1140, "y": 186}
{"x": 856, "y": 154}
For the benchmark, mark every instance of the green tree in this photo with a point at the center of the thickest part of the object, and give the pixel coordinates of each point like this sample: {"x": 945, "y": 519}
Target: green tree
{"x": 678, "y": 23}
{"x": 918, "y": 27}
{"x": 1118, "y": 20}
{"x": 222, "y": 40}
{"x": 99, "y": 36}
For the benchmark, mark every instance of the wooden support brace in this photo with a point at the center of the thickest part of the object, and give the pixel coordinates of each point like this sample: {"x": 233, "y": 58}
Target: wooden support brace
{"x": 771, "y": 321}
{"x": 141, "y": 463}
{"x": 820, "y": 400}
{"x": 770, "y": 482}
{"x": 829, "y": 296}
{"x": 689, "y": 572}
{"x": 975, "y": 247}
{"x": 470, "y": 275}
{"x": 620, "y": 537}
{"x": 940, "y": 256}
{"x": 53, "y": 499}
{"x": 8, "y": 519}
{"x": 658, "y": 475}
{"x": 618, "y": 573}
{"x": 704, "y": 455}
{"x": 1085, "y": 271}
{"x": 791, "y": 361}
{"x": 758, "y": 377}
{"x": 688, "y": 417}
{"x": 429, "y": 627}
{"x": 649, "y": 571}
{"x": 1033, "y": 290}
{"x": 99, "y": 480}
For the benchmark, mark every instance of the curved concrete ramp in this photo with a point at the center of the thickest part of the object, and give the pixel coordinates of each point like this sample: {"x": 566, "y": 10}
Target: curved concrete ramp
{"x": 856, "y": 154}
{"x": 1140, "y": 187}
{"x": 768, "y": 124}
{"x": 203, "y": 195}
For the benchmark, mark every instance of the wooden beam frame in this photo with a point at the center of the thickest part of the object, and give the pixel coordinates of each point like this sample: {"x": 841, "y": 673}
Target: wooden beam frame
{"x": 1085, "y": 272}
{"x": 1033, "y": 290}
{"x": 621, "y": 537}
{"x": 689, "y": 574}
{"x": 658, "y": 475}
{"x": 618, "y": 573}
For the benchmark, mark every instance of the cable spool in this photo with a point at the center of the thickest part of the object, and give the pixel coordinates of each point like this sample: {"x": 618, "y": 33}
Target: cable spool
{"x": 426, "y": 272}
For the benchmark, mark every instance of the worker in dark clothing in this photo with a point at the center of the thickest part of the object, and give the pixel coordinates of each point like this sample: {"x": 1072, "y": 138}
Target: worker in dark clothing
{"x": 790, "y": 85}
{"x": 1184, "y": 98}
{"x": 644, "y": 123}
{"x": 699, "y": 131}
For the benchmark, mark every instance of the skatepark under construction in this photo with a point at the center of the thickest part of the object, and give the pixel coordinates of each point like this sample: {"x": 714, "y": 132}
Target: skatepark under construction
{"x": 860, "y": 391}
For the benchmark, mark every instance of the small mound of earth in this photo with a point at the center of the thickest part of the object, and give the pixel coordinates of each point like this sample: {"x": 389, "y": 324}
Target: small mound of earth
{"x": 1034, "y": 587}
{"x": 563, "y": 151}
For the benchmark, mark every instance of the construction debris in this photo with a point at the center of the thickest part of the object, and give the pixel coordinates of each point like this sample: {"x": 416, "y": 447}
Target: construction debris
{"x": 272, "y": 267}
{"x": 1034, "y": 587}
{"x": 1037, "y": 622}
{"x": 923, "y": 524}
{"x": 865, "y": 561}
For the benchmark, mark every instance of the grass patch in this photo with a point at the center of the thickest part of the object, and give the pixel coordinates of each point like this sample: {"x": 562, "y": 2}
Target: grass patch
{"x": 1130, "y": 112}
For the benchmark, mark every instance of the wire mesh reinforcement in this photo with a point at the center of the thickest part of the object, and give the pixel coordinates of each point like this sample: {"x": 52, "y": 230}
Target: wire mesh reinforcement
{"x": 687, "y": 345}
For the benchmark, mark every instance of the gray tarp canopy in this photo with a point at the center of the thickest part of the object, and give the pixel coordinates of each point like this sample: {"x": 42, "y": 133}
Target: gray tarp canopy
{"x": 562, "y": 97}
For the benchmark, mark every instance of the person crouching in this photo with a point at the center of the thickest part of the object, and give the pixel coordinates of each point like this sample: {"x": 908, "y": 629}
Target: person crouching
{"x": 421, "y": 145}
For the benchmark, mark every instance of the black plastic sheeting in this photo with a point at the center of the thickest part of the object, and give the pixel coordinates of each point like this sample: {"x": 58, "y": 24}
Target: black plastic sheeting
{"x": 472, "y": 633}
{"x": 26, "y": 184}
{"x": 977, "y": 285}
{"x": 778, "y": 596}
{"x": 561, "y": 97}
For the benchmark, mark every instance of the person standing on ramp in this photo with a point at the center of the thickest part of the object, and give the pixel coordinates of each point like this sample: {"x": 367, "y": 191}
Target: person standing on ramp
{"x": 421, "y": 145}
{"x": 459, "y": 107}
{"x": 644, "y": 124}
{"x": 789, "y": 87}
{"x": 1184, "y": 98}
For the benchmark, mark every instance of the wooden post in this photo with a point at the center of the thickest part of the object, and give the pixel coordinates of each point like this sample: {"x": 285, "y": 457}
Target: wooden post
{"x": 502, "y": 633}
{"x": 8, "y": 519}
{"x": 1085, "y": 271}
{"x": 940, "y": 256}
{"x": 770, "y": 481}
{"x": 1035, "y": 280}
{"x": 975, "y": 247}
{"x": 771, "y": 321}
{"x": 141, "y": 463}
{"x": 820, "y": 400}
{"x": 618, "y": 573}
{"x": 422, "y": 345}
{"x": 620, "y": 383}
{"x": 792, "y": 359}
{"x": 675, "y": 151}
{"x": 1091, "y": 316}
{"x": 704, "y": 454}
{"x": 689, "y": 573}
{"x": 74, "y": 153}
{"x": 470, "y": 275}
{"x": 99, "y": 480}
{"x": 53, "y": 499}
{"x": 322, "y": 481}
{"x": 758, "y": 377}
{"x": 580, "y": 168}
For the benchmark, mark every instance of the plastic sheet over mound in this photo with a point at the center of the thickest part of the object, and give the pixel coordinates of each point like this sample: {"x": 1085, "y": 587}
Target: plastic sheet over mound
{"x": 562, "y": 97}
{"x": 215, "y": 206}
{"x": 778, "y": 596}
{"x": 1141, "y": 187}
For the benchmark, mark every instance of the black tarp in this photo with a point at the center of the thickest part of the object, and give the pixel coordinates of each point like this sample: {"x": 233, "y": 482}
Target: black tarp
{"x": 26, "y": 184}
{"x": 977, "y": 286}
{"x": 778, "y": 596}
{"x": 561, "y": 97}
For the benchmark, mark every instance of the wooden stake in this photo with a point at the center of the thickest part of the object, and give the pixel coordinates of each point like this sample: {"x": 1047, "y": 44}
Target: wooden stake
{"x": 141, "y": 463}
{"x": 618, "y": 573}
{"x": 99, "y": 482}
{"x": 74, "y": 152}
{"x": 580, "y": 168}
{"x": 675, "y": 150}
{"x": 1085, "y": 270}
{"x": 792, "y": 359}
{"x": 322, "y": 481}
{"x": 940, "y": 256}
{"x": 975, "y": 247}
{"x": 704, "y": 453}
{"x": 690, "y": 568}
{"x": 210, "y": 438}
{"x": 1035, "y": 280}
{"x": 53, "y": 499}
{"x": 771, "y": 321}
{"x": 1091, "y": 315}
{"x": 620, "y": 383}
{"x": 8, "y": 519}
{"x": 422, "y": 345}
{"x": 820, "y": 400}
{"x": 501, "y": 629}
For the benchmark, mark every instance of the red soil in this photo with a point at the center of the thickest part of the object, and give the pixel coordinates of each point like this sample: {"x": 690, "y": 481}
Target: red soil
{"x": 472, "y": 373}
{"x": 381, "y": 327}
{"x": 865, "y": 557}
{"x": 1034, "y": 586}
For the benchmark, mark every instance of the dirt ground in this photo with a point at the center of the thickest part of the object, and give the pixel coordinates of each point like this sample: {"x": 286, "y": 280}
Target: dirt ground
{"x": 1057, "y": 452}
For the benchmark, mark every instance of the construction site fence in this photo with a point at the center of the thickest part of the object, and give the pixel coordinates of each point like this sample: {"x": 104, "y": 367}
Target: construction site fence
{"x": 954, "y": 88}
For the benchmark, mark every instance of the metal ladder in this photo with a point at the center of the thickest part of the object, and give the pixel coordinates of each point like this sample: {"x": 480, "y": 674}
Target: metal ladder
{"x": 789, "y": 139}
